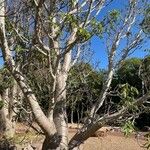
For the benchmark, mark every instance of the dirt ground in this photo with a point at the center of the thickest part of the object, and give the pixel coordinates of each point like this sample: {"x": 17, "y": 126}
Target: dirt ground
{"x": 112, "y": 140}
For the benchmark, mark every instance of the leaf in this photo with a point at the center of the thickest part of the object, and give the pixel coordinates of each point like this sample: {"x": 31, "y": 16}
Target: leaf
{"x": 83, "y": 34}
{"x": 18, "y": 48}
{"x": 128, "y": 128}
{"x": 147, "y": 144}
{"x": 1, "y": 104}
{"x": 114, "y": 14}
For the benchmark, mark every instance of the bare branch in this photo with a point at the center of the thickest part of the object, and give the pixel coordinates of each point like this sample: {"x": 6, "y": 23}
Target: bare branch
{"x": 77, "y": 55}
{"x": 87, "y": 130}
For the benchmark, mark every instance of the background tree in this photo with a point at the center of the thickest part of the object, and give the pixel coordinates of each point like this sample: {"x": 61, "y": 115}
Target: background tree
{"x": 145, "y": 71}
{"x": 129, "y": 73}
{"x": 83, "y": 86}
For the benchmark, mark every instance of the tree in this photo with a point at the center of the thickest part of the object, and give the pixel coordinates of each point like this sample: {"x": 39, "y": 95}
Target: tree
{"x": 146, "y": 21}
{"x": 129, "y": 73}
{"x": 58, "y": 30}
{"x": 83, "y": 86}
{"x": 116, "y": 32}
{"x": 8, "y": 97}
{"x": 144, "y": 72}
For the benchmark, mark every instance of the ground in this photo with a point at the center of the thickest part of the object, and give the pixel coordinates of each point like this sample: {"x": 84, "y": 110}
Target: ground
{"x": 110, "y": 140}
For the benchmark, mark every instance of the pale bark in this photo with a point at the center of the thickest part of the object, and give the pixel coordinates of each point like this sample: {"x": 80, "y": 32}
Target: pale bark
{"x": 2, "y": 116}
{"x": 7, "y": 126}
{"x": 60, "y": 118}
{"x": 103, "y": 94}
{"x": 112, "y": 53}
{"x": 13, "y": 101}
{"x": 58, "y": 68}
{"x": 41, "y": 119}
{"x": 87, "y": 130}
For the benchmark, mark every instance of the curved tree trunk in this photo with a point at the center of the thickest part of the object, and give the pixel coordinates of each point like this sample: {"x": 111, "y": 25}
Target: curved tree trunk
{"x": 40, "y": 117}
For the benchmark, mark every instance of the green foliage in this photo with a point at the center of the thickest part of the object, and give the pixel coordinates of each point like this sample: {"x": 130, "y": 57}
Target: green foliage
{"x": 19, "y": 48}
{"x": 70, "y": 18}
{"x": 114, "y": 15}
{"x": 146, "y": 21}
{"x": 128, "y": 94}
{"x": 147, "y": 144}
{"x": 83, "y": 34}
{"x": 1, "y": 104}
{"x": 83, "y": 86}
{"x": 6, "y": 79}
{"x": 38, "y": 82}
{"x": 145, "y": 71}
{"x": 54, "y": 24}
{"x": 129, "y": 73}
{"x": 146, "y": 64}
{"x": 113, "y": 18}
{"x": 111, "y": 21}
{"x": 97, "y": 27}
{"x": 9, "y": 27}
{"x": 128, "y": 128}
{"x": 127, "y": 90}
{"x": 71, "y": 21}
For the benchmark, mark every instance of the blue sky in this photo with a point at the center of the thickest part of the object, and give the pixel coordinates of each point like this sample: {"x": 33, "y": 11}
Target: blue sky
{"x": 1, "y": 61}
{"x": 98, "y": 45}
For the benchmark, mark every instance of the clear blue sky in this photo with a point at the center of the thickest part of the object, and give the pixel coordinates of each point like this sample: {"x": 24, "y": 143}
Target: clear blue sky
{"x": 98, "y": 45}
{"x": 1, "y": 61}
{"x": 100, "y": 53}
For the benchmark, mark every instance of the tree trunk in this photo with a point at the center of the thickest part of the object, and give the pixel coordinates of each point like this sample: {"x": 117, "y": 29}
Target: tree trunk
{"x": 51, "y": 143}
{"x": 40, "y": 117}
{"x": 60, "y": 118}
{"x": 72, "y": 116}
{"x": 7, "y": 127}
{"x": 78, "y": 116}
{"x": 83, "y": 135}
